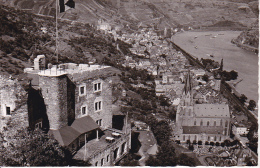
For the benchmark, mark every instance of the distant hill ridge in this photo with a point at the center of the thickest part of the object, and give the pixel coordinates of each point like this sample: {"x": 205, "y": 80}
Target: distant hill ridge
{"x": 161, "y": 13}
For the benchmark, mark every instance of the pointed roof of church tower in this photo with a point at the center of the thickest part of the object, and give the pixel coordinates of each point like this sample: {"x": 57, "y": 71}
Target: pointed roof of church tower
{"x": 221, "y": 65}
{"x": 187, "y": 87}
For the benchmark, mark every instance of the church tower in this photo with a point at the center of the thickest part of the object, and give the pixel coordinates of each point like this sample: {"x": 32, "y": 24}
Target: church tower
{"x": 187, "y": 95}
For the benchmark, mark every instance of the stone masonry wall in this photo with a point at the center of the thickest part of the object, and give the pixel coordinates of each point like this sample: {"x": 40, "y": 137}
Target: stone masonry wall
{"x": 54, "y": 92}
{"x": 89, "y": 98}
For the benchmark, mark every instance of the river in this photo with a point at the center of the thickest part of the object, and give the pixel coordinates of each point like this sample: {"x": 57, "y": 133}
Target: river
{"x": 218, "y": 44}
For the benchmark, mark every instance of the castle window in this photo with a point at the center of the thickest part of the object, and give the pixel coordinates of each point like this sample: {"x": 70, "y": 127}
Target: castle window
{"x": 82, "y": 90}
{"x": 215, "y": 123}
{"x": 195, "y": 122}
{"x": 183, "y": 137}
{"x": 8, "y": 110}
{"x": 201, "y": 123}
{"x": 38, "y": 125}
{"x": 215, "y": 139}
{"x": 96, "y": 164}
{"x": 83, "y": 110}
{"x": 107, "y": 158}
{"x": 123, "y": 148}
{"x": 102, "y": 162}
{"x": 220, "y": 122}
{"x": 97, "y": 87}
{"x": 98, "y": 106}
{"x": 99, "y": 122}
{"x": 208, "y": 123}
{"x": 220, "y": 138}
{"x": 226, "y": 124}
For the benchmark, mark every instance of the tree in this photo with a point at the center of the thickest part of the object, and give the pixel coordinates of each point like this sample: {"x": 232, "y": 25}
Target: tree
{"x": 164, "y": 101}
{"x": 35, "y": 148}
{"x": 205, "y": 78}
{"x": 185, "y": 160}
{"x": 129, "y": 160}
{"x": 252, "y": 105}
{"x": 233, "y": 75}
{"x": 152, "y": 161}
{"x": 242, "y": 98}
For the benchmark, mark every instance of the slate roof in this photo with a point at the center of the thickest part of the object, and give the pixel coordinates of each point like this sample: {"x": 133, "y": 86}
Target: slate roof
{"x": 84, "y": 124}
{"x": 211, "y": 110}
{"x": 202, "y": 129}
{"x": 67, "y": 134}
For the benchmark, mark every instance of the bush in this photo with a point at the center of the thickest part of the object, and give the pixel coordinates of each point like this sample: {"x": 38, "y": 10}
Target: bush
{"x": 199, "y": 142}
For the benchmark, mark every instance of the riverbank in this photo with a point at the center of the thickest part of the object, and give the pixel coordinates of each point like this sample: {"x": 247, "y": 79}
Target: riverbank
{"x": 245, "y": 46}
{"x": 218, "y": 44}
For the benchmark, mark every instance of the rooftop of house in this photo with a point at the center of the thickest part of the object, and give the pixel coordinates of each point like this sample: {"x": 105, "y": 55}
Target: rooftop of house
{"x": 76, "y": 72}
{"x": 94, "y": 146}
{"x": 67, "y": 134}
{"x": 148, "y": 142}
{"x": 211, "y": 110}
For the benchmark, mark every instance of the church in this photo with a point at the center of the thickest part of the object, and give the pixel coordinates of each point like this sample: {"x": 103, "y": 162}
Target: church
{"x": 204, "y": 123}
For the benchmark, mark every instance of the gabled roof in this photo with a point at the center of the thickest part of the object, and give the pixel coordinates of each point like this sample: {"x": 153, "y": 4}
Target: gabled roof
{"x": 84, "y": 124}
{"x": 65, "y": 136}
{"x": 211, "y": 110}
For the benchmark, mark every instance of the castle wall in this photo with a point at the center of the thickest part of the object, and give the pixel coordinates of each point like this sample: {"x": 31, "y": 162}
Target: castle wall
{"x": 109, "y": 152}
{"x": 89, "y": 99}
{"x": 54, "y": 92}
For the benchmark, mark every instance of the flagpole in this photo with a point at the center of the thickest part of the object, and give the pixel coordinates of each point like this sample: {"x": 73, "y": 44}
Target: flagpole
{"x": 57, "y": 53}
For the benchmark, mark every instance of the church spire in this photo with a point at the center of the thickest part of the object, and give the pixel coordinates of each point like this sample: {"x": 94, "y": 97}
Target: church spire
{"x": 187, "y": 87}
{"x": 221, "y": 65}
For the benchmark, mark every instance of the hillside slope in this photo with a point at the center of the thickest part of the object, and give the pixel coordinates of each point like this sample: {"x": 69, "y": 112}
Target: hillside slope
{"x": 161, "y": 13}
{"x": 22, "y": 39}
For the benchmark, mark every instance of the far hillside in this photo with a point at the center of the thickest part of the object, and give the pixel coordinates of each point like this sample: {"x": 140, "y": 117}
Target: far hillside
{"x": 157, "y": 13}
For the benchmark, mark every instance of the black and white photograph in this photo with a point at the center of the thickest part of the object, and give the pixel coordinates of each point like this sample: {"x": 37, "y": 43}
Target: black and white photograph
{"x": 157, "y": 83}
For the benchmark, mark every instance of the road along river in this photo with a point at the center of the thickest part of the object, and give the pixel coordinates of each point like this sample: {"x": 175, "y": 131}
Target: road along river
{"x": 218, "y": 44}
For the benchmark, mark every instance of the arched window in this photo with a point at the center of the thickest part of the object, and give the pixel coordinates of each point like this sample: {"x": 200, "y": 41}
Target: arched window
{"x": 195, "y": 122}
{"x": 201, "y": 123}
{"x": 184, "y": 137}
{"x": 215, "y": 139}
{"x": 107, "y": 158}
{"x": 207, "y": 123}
{"x": 215, "y": 123}
{"x": 226, "y": 124}
{"x": 102, "y": 162}
{"x": 96, "y": 164}
{"x": 220, "y": 122}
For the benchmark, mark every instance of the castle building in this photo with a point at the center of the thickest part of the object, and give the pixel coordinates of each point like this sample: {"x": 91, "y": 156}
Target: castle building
{"x": 74, "y": 104}
{"x": 200, "y": 122}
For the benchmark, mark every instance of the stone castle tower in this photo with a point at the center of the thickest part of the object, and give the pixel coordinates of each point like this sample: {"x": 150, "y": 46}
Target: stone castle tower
{"x": 54, "y": 92}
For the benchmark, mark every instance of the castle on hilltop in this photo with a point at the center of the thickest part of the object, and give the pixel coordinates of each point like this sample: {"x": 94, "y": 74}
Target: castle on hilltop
{"x": 74, "y": 103}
